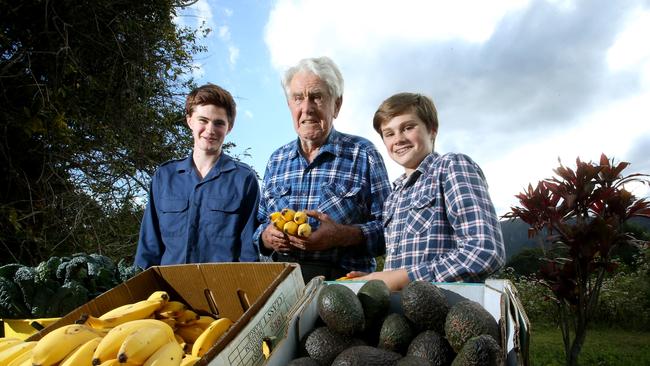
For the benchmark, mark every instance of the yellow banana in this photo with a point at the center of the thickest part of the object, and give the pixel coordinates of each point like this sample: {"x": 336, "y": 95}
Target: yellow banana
{"x": 8, "y": 342}
{"x": 210, "y": 336}
{"x": 204, "y": 321}
{"x": 138, "y": 310}
{"x": 290, "y": 228}
{"x": 172, "y": 309}
{"x": 190, "y": 332}
{"x": 24, "y": 359}
{"x": 279, "y": 223}
{"x": 188, "y": 317}
{"x": 189, "y": 360}
{"x": 160, "y": 296}
{"x": 142, "y": 343}
{"x": 83, "y": 355}
{"x": 275, "y": 215}
{"x": 109, "y": 346}
{"x": 180, "y": 340}
{"x": 170, "y": 354}
{"x": 57, "y": 344}
{"x": 304, "y": 230}
{"x": 15, "y": 351}
{"x": 287, "y": 214}
{"x": 111, "y": 362}
{"x": 300, "y": 217}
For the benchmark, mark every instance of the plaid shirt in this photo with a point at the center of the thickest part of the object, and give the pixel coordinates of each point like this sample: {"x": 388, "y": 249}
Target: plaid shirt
{"x": 347, "y": 181}
{"x": 440, "y": 223}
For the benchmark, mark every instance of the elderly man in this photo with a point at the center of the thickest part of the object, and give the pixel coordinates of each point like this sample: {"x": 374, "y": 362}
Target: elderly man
{"x": 339, "y": 180}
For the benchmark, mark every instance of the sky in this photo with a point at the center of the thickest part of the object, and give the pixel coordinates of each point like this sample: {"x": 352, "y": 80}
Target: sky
{"x": 518, "y": 84}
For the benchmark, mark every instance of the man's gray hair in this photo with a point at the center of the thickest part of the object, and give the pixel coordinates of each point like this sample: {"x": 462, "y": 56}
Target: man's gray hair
{"x": 323, "y": 67}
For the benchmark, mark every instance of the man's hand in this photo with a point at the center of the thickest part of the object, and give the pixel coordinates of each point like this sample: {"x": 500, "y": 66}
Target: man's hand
{"x": 277, "y": 240}
{"x": 329, "y": 234}
{"x": 395, "y": 280}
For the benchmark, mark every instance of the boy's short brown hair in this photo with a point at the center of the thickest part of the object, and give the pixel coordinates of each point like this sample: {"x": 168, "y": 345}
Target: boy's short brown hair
{"x": 403, "y": 103}
{"x": 212, "y": 94}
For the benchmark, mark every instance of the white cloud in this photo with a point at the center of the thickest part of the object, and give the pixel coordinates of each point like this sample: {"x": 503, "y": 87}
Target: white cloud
{"x": 224, "y": 33}
{"x": 248, "y": 114}
{"x": 233, "y": 55}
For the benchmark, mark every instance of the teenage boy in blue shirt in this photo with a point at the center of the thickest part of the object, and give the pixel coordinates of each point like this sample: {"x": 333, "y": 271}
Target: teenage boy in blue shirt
{"x": 439, "y": 221}
{"x": 202, "y": 208}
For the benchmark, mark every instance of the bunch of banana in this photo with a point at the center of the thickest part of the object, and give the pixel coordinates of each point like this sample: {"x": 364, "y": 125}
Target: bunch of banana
{"x": 125, "y": 313}
{"x": 210, "y": 336}
{"x": 120, "y": 343}
{"x": 291, "y": 222}
{"x": 61, "y": 342}
{"x": 15, "y": 353}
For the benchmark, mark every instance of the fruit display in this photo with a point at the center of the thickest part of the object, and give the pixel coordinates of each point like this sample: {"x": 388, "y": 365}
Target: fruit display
{"x": 291, "y": 222}
{"x": 360, "y": 329}
{"x": 156, "y": 331}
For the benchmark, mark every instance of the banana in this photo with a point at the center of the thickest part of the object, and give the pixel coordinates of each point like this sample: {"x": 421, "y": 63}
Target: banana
{"x": 15, "y": 351}
{"x": 288, "y": 214}
{"x": 24, "y": 359}
{"x": 188, "y": 317}
{"x": 160, "y": 296}
{"x": 57, "y": 344}
{"x": 83, "y": 355}
{"x": 304, "y": 230}
{"x": 290, "y": 228}
{"x": 210, "y": 336}
{"x": 279, "y": 223}
{"x": 138, "y": 310}
{"x": 204, "y": 321}
{"x": 169, "y": 321}
{"x": 142, "y": 343}
{"x": 8, "y": 342}
{"x": 180, "y": 340}
{"x": 189, "y": 360}
{"x": 170, "y": 354}
{"x": 111, "y": 362}
{"x": 110, "y": 345}
{"x": 190, "y": 332}
{"x": 300, "y": 217}
{"x": 172, "y": 309}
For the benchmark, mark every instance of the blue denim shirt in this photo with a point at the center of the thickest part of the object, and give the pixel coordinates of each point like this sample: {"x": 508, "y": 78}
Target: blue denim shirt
{"x": 189, "y": 220}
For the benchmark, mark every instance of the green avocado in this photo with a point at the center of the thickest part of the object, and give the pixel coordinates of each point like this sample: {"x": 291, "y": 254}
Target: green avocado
{"x": 366, "y": 356}
{"x": 413, "y": 361}
{"x": 303, "y": 361}
{"x": 323, "y": 344}
{"x": 340, "y": 309}
{"x": 482, "y": 350}
{"x": 425, "y": 305}
{"x": 467, "y": 319}
{"x": 375, "y": 299}
{"x": 430, "y": 346}
{"x": 396, "y": 334}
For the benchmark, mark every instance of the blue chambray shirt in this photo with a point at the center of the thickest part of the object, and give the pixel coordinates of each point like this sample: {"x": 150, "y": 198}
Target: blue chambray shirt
{"x": 189, "y": 220}
{"x": 440, "y": 224}
{"x": 347, "y": 181}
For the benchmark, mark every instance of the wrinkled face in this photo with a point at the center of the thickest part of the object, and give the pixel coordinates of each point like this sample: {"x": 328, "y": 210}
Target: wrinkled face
{"x": 407, "y": 140}
{"x": 209, "y": 125}
{"x": 313, "y": 110}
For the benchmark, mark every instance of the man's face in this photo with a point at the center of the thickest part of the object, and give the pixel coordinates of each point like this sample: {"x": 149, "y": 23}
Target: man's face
{"x": 209, "y": 125}
{"x": 312, "y": 108}
{"x": 407, "y": 140}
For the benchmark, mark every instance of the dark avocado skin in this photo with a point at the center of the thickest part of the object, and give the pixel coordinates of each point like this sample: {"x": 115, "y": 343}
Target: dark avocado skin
{"x": 467, "y": 319}
{"x": 323, "y": 345}
{"x": 341, "y": 309}
{"x": 425, "y": 305}
{"x": 366, "y": 356}
{"x": 413, "y": 361}
{"x": 303, "y": 361}
{"x": 375, "y": 299}
{"x": 479, "y": 351}
{"x": 432, "y": 347}
{"x": 396, "y": 333}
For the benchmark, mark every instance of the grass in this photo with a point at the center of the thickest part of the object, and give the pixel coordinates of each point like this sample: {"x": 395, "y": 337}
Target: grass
{"x": 603, "y": 347}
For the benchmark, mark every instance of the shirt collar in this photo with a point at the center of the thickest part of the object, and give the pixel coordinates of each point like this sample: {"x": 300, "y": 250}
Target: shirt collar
{"x": 224, "y": 163}
{"x": 424, "y": 166}
{"x": 332, "y": 145}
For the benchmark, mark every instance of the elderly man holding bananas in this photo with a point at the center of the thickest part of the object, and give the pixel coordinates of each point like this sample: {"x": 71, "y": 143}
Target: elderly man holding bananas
{"x": 337, "y": 181}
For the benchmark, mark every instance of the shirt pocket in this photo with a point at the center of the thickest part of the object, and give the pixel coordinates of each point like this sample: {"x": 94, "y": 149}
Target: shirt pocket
{"x": 173, "y": 216}
{"x": 279, "y": 197}
{"x": 421, "y": 214}
{"x": 222, "y": 216}
{"x": 342, "y": 203}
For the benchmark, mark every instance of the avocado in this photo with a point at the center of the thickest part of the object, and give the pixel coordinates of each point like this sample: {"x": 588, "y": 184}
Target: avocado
{"x": 366, "y": 356}
{"x": 341, "y": 309}
{"x": 375, "y": 299}
{"x": 467, "y": 319}
{"x": 396, "y": 334}
{"x": 432, "y": 347}
{"x": 482, "y": 350}
{"x": 425, "y": 305}
{"x": 413, "y": 361}
{"x": 323, "y": 344}
{"x": 303, "y": 361}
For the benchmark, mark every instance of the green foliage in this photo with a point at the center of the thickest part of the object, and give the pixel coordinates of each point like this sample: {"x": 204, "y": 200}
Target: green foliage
{"x": 92, "y": 102}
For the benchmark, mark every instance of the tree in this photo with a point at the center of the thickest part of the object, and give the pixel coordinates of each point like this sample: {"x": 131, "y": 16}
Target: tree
{"x": 90, "y": 103}
{"x": 581, "y": 213}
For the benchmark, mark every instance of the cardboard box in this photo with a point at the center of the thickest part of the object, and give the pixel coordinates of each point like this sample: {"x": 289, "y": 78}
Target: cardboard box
{"x": 256, "y": 296}
{"x": 498, "y": 297}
